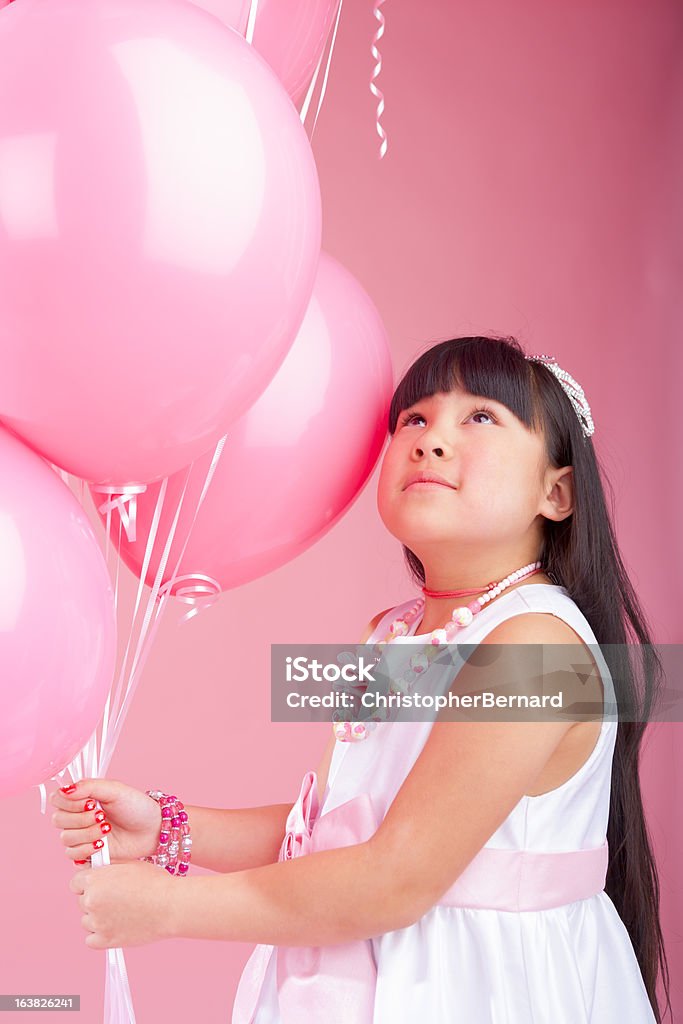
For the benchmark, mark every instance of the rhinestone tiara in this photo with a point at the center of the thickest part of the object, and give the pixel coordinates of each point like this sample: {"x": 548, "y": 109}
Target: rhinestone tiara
{"x": 572, "y": 389}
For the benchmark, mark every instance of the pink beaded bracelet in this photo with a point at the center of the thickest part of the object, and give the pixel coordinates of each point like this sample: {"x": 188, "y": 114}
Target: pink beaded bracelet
{"x": 175, "y": 837}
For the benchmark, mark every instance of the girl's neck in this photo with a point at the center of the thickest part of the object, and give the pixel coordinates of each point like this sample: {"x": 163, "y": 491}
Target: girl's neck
{"x": 437, "y": 610}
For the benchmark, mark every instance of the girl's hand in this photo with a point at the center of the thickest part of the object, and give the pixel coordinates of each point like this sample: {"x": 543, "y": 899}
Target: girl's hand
{"x": 125, "y": 904}
{"x": 96, "y": 808}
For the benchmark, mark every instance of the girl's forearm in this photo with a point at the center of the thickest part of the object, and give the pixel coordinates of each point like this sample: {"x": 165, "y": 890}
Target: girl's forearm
{"x": 235, "y": 839}
{"x": 317, "y": 899}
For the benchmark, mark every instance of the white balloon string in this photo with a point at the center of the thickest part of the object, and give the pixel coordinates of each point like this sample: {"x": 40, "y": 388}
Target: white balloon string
{"x": 154, "y": 607}
{"x": 202, "y": 584}
{"x": 118, "y": 1008}
{"x": 91, "y": 759}
{"x": 143, "y": 572}
{"x": 205, "y": 585}
{"x": 115, "y": 693}
{"x": 117, "y": 572}
{"x": 105, "y": 720}
{"x": 218, "y": 451}
{"x": 126, "y": 683}
{"x": 105, "y": 717}
{"x": 61, "y": 473}
{"x": 251, "y": 21}
{"x": 377, "y": 93}
{"x": 75, "y": 769}
{"x": 303, "y": 113}
{"x": 161, "y": 569}
{"x": 311, "y": 89}
{"x": 107, "y": 539}
{"x": 43, "y": 790}
{"x": 327, "y": 68}
{"x": 160, "y": 594}
{"x": 118, "y": 1002}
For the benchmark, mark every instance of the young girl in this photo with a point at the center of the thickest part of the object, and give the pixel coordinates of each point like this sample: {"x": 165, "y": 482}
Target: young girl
{"x": 445, "y": 872}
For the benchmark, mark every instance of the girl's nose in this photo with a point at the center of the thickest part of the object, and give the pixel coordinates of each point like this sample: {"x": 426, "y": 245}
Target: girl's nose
{"x": 437, "y": 451}
{"x": 433, "y": 439}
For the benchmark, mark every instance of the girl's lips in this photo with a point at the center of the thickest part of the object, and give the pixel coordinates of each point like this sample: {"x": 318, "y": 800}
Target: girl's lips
{"x": 428, "y": 485}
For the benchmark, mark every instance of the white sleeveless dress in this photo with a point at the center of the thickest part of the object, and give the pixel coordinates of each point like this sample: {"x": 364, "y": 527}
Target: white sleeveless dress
{"x": 570, "y": 964}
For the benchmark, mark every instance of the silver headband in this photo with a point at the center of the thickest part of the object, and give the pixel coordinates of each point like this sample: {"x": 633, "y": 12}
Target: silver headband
{"x": 573, "y": 391}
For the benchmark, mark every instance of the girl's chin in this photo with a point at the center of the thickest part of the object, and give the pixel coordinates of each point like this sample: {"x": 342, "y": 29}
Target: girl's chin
{"x": 419, "y": 521}
{"x": 420, "y": 533}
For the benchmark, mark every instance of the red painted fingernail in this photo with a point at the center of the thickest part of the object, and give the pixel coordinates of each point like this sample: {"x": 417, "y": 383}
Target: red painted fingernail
{"x": 68, "y": 789}
{"x": 105, "y": 827}
{"x": 100, "y": 816}
{"x": 80, "y": 862}
{"x": 90, "y": 805}
{"x": 98, "y": 844}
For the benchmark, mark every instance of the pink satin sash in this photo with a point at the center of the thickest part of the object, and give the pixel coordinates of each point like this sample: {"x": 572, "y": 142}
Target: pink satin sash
{"x": 336, "y": 984}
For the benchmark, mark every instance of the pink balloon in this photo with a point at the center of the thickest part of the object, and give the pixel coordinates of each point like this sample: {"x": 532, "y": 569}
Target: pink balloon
{"x": 290, "y": 34}
{"x": 57, "y": 621}
{"x": 295, "y": 462}
{"x": 160, "y": 223}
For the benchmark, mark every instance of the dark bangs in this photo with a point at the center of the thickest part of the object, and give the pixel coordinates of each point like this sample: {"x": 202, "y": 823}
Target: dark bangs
{"x": 493, "y": 368}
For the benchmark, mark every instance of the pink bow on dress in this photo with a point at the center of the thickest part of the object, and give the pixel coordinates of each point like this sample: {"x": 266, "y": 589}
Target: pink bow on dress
{"x": 335, "y": 984}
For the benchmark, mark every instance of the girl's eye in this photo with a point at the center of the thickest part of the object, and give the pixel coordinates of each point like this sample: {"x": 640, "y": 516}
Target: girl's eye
{"x": 486, "y": 412}
{"x": 411, "y": 416}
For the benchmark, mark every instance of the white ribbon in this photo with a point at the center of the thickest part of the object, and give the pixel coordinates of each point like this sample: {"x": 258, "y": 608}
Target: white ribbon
{"x": 201, "y": 593}
{"x": 377, "y": 93}
{"x": 251, "y": 21}
{"x": 309, "y": 95}
{"x": 119, "y": 497}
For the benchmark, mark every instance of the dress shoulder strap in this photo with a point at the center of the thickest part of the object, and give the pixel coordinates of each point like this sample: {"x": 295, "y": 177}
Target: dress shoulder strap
{"x": 556, "y": 600}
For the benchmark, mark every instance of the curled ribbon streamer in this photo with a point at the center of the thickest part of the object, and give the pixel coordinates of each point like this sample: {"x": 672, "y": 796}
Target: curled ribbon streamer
{"x": 203, "y": 592}
{"x": 209, "y": 586}
{"x": 377, "y": 93}
{"x": 121, "y": 496}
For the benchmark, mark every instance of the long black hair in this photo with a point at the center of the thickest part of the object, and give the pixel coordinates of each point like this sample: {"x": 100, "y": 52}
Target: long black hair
{"x": 581, "y": 554}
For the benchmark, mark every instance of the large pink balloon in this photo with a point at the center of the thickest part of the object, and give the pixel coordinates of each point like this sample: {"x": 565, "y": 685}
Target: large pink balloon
{"x": 290, "y": 34}
{"x": 57, "y": 621}
{"x": 294, "y": 463}
{"x": 160, "y": 227}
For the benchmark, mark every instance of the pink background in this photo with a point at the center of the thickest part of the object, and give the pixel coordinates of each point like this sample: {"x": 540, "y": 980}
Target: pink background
{"x": 532, "y": 187}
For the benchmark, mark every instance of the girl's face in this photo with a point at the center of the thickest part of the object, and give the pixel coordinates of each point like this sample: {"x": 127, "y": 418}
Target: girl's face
{"x": 499, "y": 482}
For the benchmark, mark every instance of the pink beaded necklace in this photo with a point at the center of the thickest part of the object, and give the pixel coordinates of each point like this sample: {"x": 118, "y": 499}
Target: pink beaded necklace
{"x": 351, "y": 732}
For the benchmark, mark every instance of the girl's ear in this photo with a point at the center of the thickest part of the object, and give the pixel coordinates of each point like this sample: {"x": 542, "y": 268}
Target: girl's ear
{"x": 559, "y": 500}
